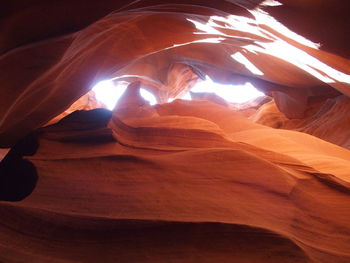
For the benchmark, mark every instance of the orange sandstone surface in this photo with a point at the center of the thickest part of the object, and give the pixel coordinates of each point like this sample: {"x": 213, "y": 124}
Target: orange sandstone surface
{"x": 175, "y": 183}
{"x": 187, "y": 181}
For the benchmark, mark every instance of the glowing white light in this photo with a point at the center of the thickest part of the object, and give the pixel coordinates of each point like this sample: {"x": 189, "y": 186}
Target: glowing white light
{"x": 283, "y": 50}
{"x": 267, "y": 41}
{"x": 205, "y": 27}
{"x": 187, "y": 96}
{"x": 264, "y": 18}
{"x": 274, "y": 45}
{"x": 238, "y": 23}
{"x": 231, "y": 93}
{"x": 206, "y": 40}
{"x": 209, "y": 40}
{"x": 148, "y": 96}
{"x": 108, "y": 93}
{"x": 301, "y": 59}
{"x": 239, "y": 57}
{"x": 270, "y": 3}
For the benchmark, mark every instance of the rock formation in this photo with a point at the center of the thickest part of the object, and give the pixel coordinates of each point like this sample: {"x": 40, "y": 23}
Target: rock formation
{"x": 327, "y": 120}
{"x": 186, "y": 181}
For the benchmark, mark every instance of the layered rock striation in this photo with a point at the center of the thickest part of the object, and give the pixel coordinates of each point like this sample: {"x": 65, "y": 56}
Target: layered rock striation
{"x": 175, "y": 183}
{"x": 187, "y": 181}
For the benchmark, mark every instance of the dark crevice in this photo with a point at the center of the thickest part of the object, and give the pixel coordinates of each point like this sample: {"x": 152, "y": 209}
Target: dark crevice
{"x": 18, "y": 177}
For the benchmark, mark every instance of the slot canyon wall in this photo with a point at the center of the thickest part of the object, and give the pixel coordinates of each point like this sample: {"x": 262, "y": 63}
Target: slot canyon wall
{"x": 187, "y": 181}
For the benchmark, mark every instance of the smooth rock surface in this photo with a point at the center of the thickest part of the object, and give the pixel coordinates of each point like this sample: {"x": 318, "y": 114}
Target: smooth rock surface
{"x": 187, "y": 181}
{"x": 174, "y": 183}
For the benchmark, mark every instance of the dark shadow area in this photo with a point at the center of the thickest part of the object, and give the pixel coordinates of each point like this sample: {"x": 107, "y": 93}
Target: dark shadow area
{"x": 83, "y": 120}
{"x": 81, "y": 126}
{"x": 92, "y": 239}
{"x": 18, "y": 177}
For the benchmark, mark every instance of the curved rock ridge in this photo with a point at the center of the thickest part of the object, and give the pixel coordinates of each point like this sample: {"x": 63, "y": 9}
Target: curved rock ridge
{"x": 150, "y": 41}
{"x": 186, "y": 181}
{"x": 199, "y": 241}
{"x": 327, "y": 120}
{"x": 86, "y": 102}
{"x": 173, "y": 182}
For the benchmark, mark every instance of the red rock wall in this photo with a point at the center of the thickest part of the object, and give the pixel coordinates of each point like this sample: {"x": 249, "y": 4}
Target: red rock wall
{"x": 60, "y": 60}
{"x": 174, "y": 182}
{"x": 327, "y": 120}
{"x": 188, "y": 181}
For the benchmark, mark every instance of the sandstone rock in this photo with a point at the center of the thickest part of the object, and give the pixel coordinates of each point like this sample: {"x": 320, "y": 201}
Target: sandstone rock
{"x": 187, "y": 181}
{"x": 327, "y": 120}
{"x": 174, "y": 182}
{"x": 70, "y": 61}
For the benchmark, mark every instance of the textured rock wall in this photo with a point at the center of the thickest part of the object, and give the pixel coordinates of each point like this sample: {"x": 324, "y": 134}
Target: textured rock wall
{"x": 327, "y": 120}
{"x": 187, "y": 181}
{"x": 175, "y": 183}
{"x": 60, "y": 60}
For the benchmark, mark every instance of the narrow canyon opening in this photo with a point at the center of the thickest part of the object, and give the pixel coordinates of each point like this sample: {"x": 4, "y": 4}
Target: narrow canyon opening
{"x": 108, "y": 92}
